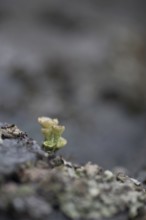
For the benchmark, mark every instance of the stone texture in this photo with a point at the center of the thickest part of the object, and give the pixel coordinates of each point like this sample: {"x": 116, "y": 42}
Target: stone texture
{"x": 36, "y": 185}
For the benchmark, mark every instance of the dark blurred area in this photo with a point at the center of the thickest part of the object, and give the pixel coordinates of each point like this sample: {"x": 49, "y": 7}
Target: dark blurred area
{"x": 84, "y": 62}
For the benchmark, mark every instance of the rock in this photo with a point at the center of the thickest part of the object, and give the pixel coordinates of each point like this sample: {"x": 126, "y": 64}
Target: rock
{"x": 16, "y": 149}
{"x": 38, "y": 186}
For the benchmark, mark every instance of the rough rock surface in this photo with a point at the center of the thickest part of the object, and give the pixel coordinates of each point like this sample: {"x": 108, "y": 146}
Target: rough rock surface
{"x": 35, "y": 185}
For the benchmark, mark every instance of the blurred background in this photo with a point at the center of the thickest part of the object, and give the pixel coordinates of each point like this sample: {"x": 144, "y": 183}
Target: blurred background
{"x": 84, "y": 62}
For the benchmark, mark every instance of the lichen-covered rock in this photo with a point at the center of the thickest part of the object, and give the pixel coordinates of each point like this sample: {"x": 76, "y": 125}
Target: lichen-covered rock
{"x": 16, "y": 149}
{"x": 38, "y": 186}
{"x": 88, "y": 192}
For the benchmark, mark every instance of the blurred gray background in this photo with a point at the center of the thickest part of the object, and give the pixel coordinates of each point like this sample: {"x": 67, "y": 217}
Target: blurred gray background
{"x": 84, "y": 62}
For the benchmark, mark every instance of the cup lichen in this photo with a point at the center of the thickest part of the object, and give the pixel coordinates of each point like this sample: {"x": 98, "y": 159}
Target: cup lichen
{"x": 52, "y": 132}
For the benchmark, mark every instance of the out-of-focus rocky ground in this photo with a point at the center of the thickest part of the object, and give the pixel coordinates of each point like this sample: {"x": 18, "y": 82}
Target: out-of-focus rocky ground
{"x": 38, "y": 185}
{"x": 83, "y": 62}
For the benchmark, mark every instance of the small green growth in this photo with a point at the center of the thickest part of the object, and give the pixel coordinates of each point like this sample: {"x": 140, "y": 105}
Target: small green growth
{"x": 52, "y": 132}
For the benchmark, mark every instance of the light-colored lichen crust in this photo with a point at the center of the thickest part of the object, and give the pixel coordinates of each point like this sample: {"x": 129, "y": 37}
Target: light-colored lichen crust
{"x": 88, "y": 192}
{"x": 34, "y": 185}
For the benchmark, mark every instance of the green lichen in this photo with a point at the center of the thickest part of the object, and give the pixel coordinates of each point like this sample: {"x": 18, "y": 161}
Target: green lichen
{"x": 52, "y": 132}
